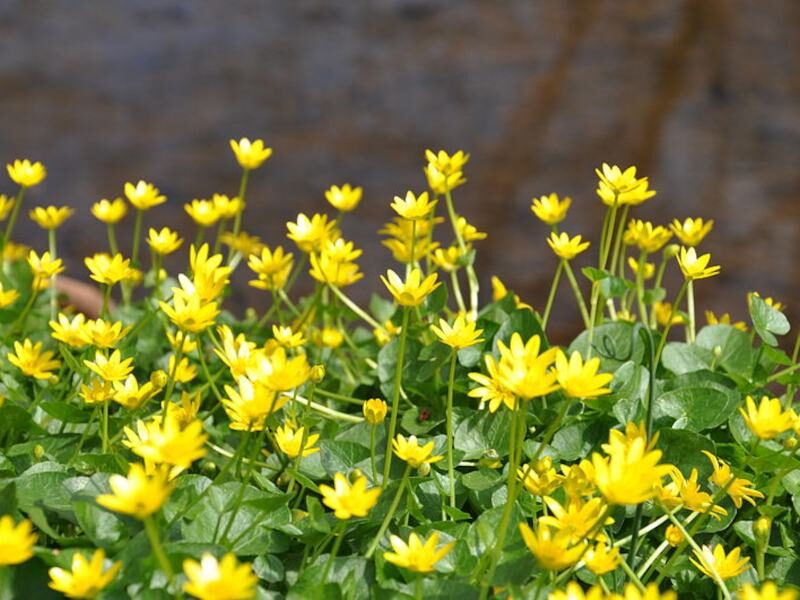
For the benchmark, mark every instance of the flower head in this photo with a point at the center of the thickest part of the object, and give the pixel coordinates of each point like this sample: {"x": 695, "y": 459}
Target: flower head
{"x": 419, "y": 554}
{"x": 550, "y": 209}
{"x": 43, "y": 267}
{"x": 566, "y": 247}
{"x": 143, "y": 195}
{"x": 768, "y": 591}
{"x": 461, "y": 334}
{"x": 647, "y": 237}
{"x": 616, "y": 186}
{"x": 167, "y": 442}
{"x": 138, "y": 494}
{"x": 272, "y": 267}
{"x": 696, "y": 267}
{"x": 553, "y": 548}
{"x": 87, "y": 578}
{"x": 249, "y": 405}
{"x": 541, "y": 478}
{"x": 25, "y": 173}
{"x": 250, "y": 155}
{"x": 107, "y": 269}
{"x": 413, "y": 207}
{"x": 104, "y": 334}
{"x": 110, "y": 212}
{"x": 409, "y": 450}
{"x": 344, "y": 198}
{"x": 737, "y": 488}
{"x": 412, "y": 291}
{"x": 7, "y": 297}
{"x": 32, "y": 360}
{"x": 311, "y": 234}
{"x": 348, "y": 499}
{"x": 203, "y": 212}
{"x": 226, "y": 579}
{"x": 130, "y": 394}
{"x": 16, "y": 541}
{"x": 163, "y": 242}
{"x": 717, "y": 561}
{"x": 188, "y": 311}
{"x": 50, "y": 217}
{"x": 602, "y": 559}
{"x": 292, "y": 443}
{"x": 768, "y": 420}
{"x": 374, "y": 410}
{"x": 691, "y": 231}
{"x": 581, "y": 379}
{"x": 110, "y": 367}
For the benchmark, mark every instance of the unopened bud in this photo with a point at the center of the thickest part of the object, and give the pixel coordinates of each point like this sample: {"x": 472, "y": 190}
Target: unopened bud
{"x": 673, "y": 535}
{"x": 317, "y": 373}
{"x": 209, "y": 467}
{"x": 490, "y": 460}
{"x": 717, "y": 351}
{"x": 424, "y": 470}
{"x": 159, "y": 378}
{"x": 790, "y": 443}
{"x": 355, "y": 475}
{"x": 671, "y": 251}
{"x": 38, "y": 451}
{"x": 374, "y": 410}
{"x": 761, "y": 530}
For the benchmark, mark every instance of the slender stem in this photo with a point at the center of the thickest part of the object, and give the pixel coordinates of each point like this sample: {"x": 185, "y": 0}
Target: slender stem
{"x": 640, "y": 287}
{"x": 105, "y": 426}
{"x": 472, "y": 278}
{"x": 106, "y": 300}
{"x": 240, "y": 494}
{"x": 200, "y": 236}
{"x": 668, "y": 326}
{"x": 155, "y": 544}
{"x": 690, "y": 308}
{"x": 389, "y": 515}
{"x": 112, "y": 239}
{"x": 51, "y": 240}
{"x": 171, "y": 382}
{"x": 629, "y": 572}
{"x": 398, "y": 379}
{"x": 577, "y": 291}
{"x": 551, "y": 296}
{"x": 12, "y": 220}
{"x": 450, "y": 468}
{"x": 618, "y": 238}
{"x": 219, "y": 234}
{"x": 605, "y": 243}
{"x": 329, "y": 412}
{"x": 418, "y": 587}
{"x": 354, "y": 307}
{"x": 237, "y": 220}
{"x": 137, "y": 232}
{"x": 457, "y": 290}
{"x": 373, "y": 462}
{"x": 340, "y": 529}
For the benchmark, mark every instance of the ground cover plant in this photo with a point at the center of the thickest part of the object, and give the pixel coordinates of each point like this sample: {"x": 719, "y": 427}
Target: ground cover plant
{"x": 424, "y": 445}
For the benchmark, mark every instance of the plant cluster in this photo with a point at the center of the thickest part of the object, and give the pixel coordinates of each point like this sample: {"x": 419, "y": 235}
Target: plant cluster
{"x": 426, "y": 445}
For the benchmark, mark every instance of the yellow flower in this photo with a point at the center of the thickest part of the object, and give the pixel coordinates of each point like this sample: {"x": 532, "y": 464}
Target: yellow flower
{"x": 566, "y": 247}
{"x": 44, "y": 268}
{"x": 696, "y": 267}
{"x": 243, "y": 243}
{"x": 419, "y": 555}
{"x": 491, "y": 388}
{"x": 412, "y": 291}
{"x": 87, "y": 578}
{"x": 6, "y": 204}
{"x": 581, "y": 380}
{"x": 578, "y": 479}
{"x": 291, "y": 443}
{"x": 768, "y": 591}
{"x": 167, "y": 443}
{"x": 673, "y": 536}
{"x": 286, "y": 337}
{"x": 663, "y": 312}
{"x": 143, "y": 195}
{"x": 188, "y": 312}
{"x": 110, "y": 212}
{"x": 737, "y": 488}
{"x": 327, "y": 268}
{"x": 448, "y": 259}
{"x": 768, "y": 420}
{"x": 725, "y": 565}
{"x": 184, "y": 371}
{"x": 500, "y": 291}
{"x": 203, "y": 212}
{"x": 553, "y": 549}
{"x": 692, "y": 231}
{"x": 97, "y": 391}
{"x": 462, "y": 334}
{"x": 447, "y": 163}
{"x": 7, "y": 297}
{"x": 163, "y": 242}
{"x": 443, "y": 181}
{"x": 540, "y": 479}
{"x": 71, "y": 332}
{"x": 237, "y": 352}
{"x": 227, "y": 207}
{"x": 410, "y": 451}
{"x": 630, "y": 472}
{"x": 138, "y": 494}
{"x": 374, "y": 410}
{"x": 249, "y": 406}
{"x": 651, "y": 593}
{"x": 227, "y": 579}
{"x": 349, "y": 500}
{"x": 549, "y": 209}
{"x": 648, "y": 269}
{"x": 110, "y": 368}
{"x": 209, "y": 277}
{"x": 104, "y": 334}
{"x": 579, "y": 519}
{"x": 601, "y": 559}
{"x": 130, "y": 394}
{"x": 574, "y": 591}
{"x": 524, "y": 370}
{"x": 345, "y": 198}
{"x": 413, "y": 207}
{"x": 279, "y": 372}
{"x": 311, "y": 234}
{"x": 272, "y": 267}
{"x": 16, "y": 541}
{"x": 32, "y": 360}
{"x": 648, "y": 238}
{"x": 51, "y": 217}
{"x": 250, "y": 155}
{"x": 769, "y": 300}
{"x": 469, "y": 233}
{"x": 185, "y": 412}
{"x": 616, "y": 186}
{"x": 181, "y": 341}
{"x": 692, "y": 497}
{"x": 25, "y": 173}
{"x": 107, "y": 269}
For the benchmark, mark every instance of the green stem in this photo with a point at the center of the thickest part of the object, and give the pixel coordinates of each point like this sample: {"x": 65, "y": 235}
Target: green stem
{"x": 418, "y": 587}
{"x": 340, "y": 528}
{"x": 240, "y": 494}
{"x": 155, "y": 544}
{"x": 457, "y": 290}
{"x": 113, "y": 247}
{"x": 617, "y": 240}
{"x": 171, "y": 383}
{"x": 629, "y": 572}
{"x": 690, "y": 308}
{"x": 51, "y": 240}
{"x": 668, "y": 326}
{"x": 218, "y": 237}
{"x": 552, "y": 294}
{"x": 398, "y": 378}
{"x": 389, "y": 515}
{"x": 200, "y": 236}
{"x": 373, "y": 461}
{"x": 105, "y": 426}
{"x": 12, "y": 220}
{"x": 354, "y": 307}
{"x": 137, "y": 233}
{"x": 450, "y": 468}
{"x": 237, "y": 220}
{"x": 577, "y": 291}
{"x": 472, "y": 278}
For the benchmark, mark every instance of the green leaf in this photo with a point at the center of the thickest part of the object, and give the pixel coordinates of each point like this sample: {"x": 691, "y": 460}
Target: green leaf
{"x": 65, "y": 412}
{"x": 613, "y": 343}
{"x": 615, "y": 287}
{"x": 695, "y": 408}
{"x": 593, "y": 274}
{"x": 767, "y": 321}
{"x": 681, "y": 358}
{"x": 341, "y": 457}
{"x": 684, "y": 449}
{"x": 435, "y": 301}
{"x": 736, "y": 351}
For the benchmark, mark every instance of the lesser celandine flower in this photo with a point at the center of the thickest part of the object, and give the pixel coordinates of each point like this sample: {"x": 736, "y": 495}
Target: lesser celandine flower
{"x": 665, "y": 314}
{"x": 107, "y": 269}
{"x": 540, "y": 479}
{"x": 692, "y": 497}
{"x": 601, "y": 559}
{"x": 491, "y": 388}
{"x": 328, "y": 337}
{"x": 673, "y": 536}
{"x": 242, "y": 242}
{"x": 203, "y": 212}
{"x": 250, "y": 155}
{"x": 447, "y": 163}
{"x": 16, "y": 541}
{"x": 574, "y": 591}
{"x": 7, "y": 297}
{"x": 409, "y": 450}
{"x": 412, "y": 291}
{"x": 110, "y": 212}
{"x": 286, "y": 337}
{"x": 311, "y": 234}
{"x": 716, "y": 560}
{"x": 227, "y": 207}
{"x": 327, "y": 267}
{"x": 374, "y": 410}
{"x": 167, "y": 442}
{"x": 419, "y": 555}
{"x": 189, "y": 312}
{"x": 138, "y": 494}
{"x": 550, "y": 209}
{"x": 524, "y": 370}
{"x": 645, "y": 271}
{"x": 691, "y": 231}
{"x": 32, "y": 360}
{"x": 249, "y": 405}
{"x": 164, "y": 241}
{"x": 500, "y": 291}
{"x": 647, "y": 237}
{"x": 579, "y": 379}
{"x": 348, "y": 499}
{"x": 226, "y": 579}
{"x": 344, "y": 198}
{"x": 183, "y": 371}
{"x": 566, "y": 247}
{"x": 50, "y": 217}
{"x": 462, "y": 334}
{"x": 616, "y": 186}
{"x": 767, "y": 420}
{"x": 468, "y": 232}
{"x": 280, "y": 372}
{"x": 87, "y": 578}
{"x": 209, "y": 276}
{"x": 448, "y": 259}
{"x": 143, "y": 195}
{"x": 580, "y": 519}
{"x": 737, "y": 488}
{"x": 130, "y": 394}
{"x": 26, "y": 173}
{"x": 290, "y": 440}
{"x": 443, "y": 181}
{"x": 696, "y": 267}
{"x": 272, "y": 267}
{"x": 553, "y": 548}
{"x": 767, "y": 591}
{"x": 44, "y": 267}
{"x": 105, "y": 334}
{"x": 6, "y": 204}
{"x": 97, "y": 391}
{"x": 110, "y": 367}
{"x": 413, "y": 207}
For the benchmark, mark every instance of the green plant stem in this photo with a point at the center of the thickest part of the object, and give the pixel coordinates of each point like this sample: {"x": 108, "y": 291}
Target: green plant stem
{"x": 105, "y": 426}
{"x": 219, "y": 234}
{"x": 113, "y": 247}
{"x": 237, "y": 220}
{"x": 418, "y": 587}
{"x": 339, "y": 537}
{"x": 633, "y": 577}
{"x": 51, "y": 242}
{"x": 389, "y": 515}
{"x": 106, "y": 300}
{"x": 237, "y": 503}
{"x": 398, "y": 380}
{"x": 668, "y": 326}
{"x": 12, "y": 220}
{"x": 171, "y": 383}
{"x": 457, "y": 290}
{"x": 137, "y": 233}
{"x": 151, "y": 529}
{"x": 690, "y": 334}
{"x": 551, "y": 295}
{"x": 472, "y": 278}
{"x": 354, "y": 307}
{"x": 451, "y": 474}
{"x": 577, "y": 291}
{"x": 640, "y": 287}
{"x": 605, "y": 242}
{"x": 617, "y": 239}
{"x": 200, "y": 236}
{"x": 373, "y": 461}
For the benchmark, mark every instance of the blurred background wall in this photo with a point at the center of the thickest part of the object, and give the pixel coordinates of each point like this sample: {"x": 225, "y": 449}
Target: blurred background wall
{"x": 702, "y": 95}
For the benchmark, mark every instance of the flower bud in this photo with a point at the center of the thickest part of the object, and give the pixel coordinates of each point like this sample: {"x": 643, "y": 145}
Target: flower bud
{"x": 355, "y": 475}
{"x": 790, "y": 443}
{"x": 490, "y": 460}
{"x": 38, "y": 451}
{"x": 673, "y": 536}
{"x": 317, "y": 373}
{"x": 761, "y": 530}
{"x": 717, "y": 352}
{"x": 671, "y": 251}
{"x": 424, "y": 469}
{"x": 209, "y": 467}
{"x": 159, "y": 378}
{"x": 375, "y": 410}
